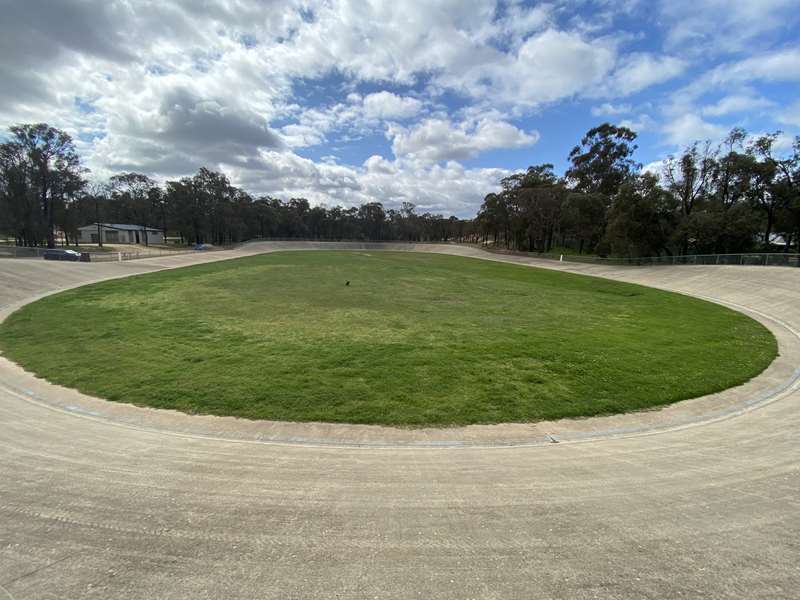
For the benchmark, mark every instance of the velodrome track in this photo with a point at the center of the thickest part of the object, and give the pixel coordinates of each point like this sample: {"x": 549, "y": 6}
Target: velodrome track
{"x": 701, "y": 499}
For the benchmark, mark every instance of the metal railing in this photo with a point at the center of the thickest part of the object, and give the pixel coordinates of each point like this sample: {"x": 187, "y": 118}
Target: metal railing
{"x": 136, "y": 254}
{"x": 763, "y": 259}
{"x": 108, "y": 256}
{"x": 20, "y": 252}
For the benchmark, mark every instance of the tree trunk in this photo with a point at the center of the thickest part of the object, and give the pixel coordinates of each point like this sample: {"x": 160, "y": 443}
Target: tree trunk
{"x": 47, "y": 208}
{"x": 768, "y": 231}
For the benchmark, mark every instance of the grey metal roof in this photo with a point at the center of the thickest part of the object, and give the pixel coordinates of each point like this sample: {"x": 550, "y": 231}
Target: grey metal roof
{"x": 120, "y": 227}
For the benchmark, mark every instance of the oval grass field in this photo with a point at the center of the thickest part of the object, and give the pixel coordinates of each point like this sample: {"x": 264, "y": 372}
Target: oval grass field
{"x": 415, "y": 339}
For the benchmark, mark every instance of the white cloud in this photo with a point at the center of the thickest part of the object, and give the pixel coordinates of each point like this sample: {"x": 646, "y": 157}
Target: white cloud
{"x": 638, "y": 124}
{"x": 447, "y": 188}
{"x": 296, "y": 135}
{"x": 686, "y": 112}
{"x": 378, "y": 164}
{"x": 553, "y": 65}
{"x": 690, "y": 128}
{"x": 655, "y": 167}
{"x": 386, "y": 105}
{"x": 736, "y": 103}
{"x": 548, "y": 66}
{"x": 791, "y": 115}
{"x": 437, "y": 139}
{"x": 388, "y": 40}
{"x": 519, "y": 21}
{"x": 641, "y": 70}
{"x": 358, "y": 117}
{"x": 607, "y": 110}
{"x": 780, "y": 65}
{"x": 704, "y": 27}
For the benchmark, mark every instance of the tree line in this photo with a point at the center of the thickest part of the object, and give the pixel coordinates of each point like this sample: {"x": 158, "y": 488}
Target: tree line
{"x": 732, "y": 197}
{"x": 44, "y": 189}
{"x": 740, "y": 195}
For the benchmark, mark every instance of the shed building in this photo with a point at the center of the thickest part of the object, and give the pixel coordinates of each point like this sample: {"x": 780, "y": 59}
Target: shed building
{"x": 119, "y": 233}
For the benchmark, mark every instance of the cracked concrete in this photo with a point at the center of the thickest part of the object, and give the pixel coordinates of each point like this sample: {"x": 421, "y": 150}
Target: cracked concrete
{"x": 699, "y": 499}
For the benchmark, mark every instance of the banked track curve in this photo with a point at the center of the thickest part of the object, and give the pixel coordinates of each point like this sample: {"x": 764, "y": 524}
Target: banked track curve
{"x": 95, "y": 504}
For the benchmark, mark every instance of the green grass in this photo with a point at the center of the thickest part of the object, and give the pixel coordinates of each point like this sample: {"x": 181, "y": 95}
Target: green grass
{"x": 415, "y": 339}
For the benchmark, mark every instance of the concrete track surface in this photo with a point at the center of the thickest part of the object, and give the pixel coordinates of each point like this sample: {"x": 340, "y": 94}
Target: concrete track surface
{"x": 97, "y": 507}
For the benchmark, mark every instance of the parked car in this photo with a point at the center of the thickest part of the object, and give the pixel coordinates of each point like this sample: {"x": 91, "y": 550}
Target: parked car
{"x": 60, "y": 254}
{"x": 203, "y": 247}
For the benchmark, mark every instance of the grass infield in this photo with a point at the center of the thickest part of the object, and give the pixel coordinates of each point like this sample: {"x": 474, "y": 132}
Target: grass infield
{"x": 415, "y": 339}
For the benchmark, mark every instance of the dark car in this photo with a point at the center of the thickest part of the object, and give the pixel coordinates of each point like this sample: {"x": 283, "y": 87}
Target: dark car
{"x": 59, "y": 254}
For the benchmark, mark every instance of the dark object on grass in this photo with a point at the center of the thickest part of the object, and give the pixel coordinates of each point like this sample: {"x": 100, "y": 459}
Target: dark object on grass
{"x": 58, "y": 254}
{"x": 347, "y": 282}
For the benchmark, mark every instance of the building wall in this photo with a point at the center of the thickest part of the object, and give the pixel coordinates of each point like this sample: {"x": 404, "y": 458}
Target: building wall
{"x": 88, "y": 235}
{"x": 155, "y": 237}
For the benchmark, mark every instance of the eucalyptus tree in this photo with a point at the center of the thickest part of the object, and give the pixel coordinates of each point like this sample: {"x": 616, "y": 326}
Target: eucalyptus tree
{"x": 537, "y": 197}
{"x": 20, "y": 212}
{"x": 777, "y": 186}
{"x": 729, "y": 175}
{"x": 494, "y": 219}
{"x": 583, "y": 217}
{"x": 689, "y": 177}
{"x": 41, "y": 160}
{"x": 603, "y": 160}
{"x": 641, "y": 218}
{"x": 373, "y": 216}
{"x": 135, "y": 193}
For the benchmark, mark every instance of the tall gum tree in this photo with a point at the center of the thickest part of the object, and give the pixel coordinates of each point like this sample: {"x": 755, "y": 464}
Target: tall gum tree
{"x": 52, "y": 160}
{"x": 603, "y": 160}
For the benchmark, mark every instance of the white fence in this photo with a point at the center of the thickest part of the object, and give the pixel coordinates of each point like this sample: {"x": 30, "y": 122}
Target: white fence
{"x": 764, "y": 259}
{"x": 110, "y": 256}
{"x": 135, "y": 254}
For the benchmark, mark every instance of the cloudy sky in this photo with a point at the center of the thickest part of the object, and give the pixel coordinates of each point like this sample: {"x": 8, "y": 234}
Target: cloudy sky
{"x": 425, "y": 101}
